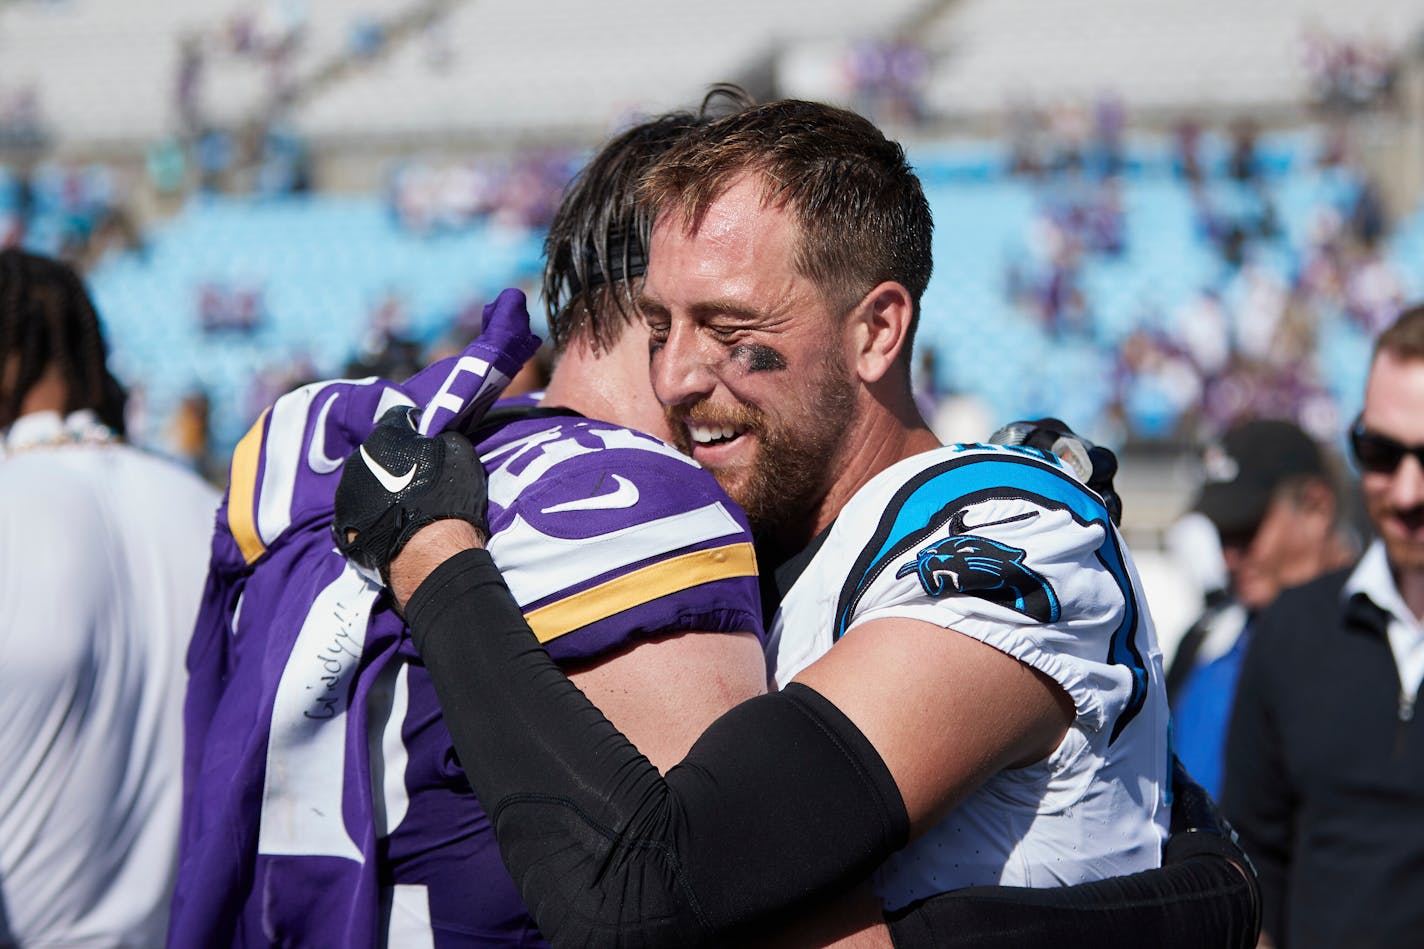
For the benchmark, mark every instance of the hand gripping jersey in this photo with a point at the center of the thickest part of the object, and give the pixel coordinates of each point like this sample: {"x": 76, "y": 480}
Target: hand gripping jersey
{"x": 324, "y": 805}
{"x": 1004, "y": 545}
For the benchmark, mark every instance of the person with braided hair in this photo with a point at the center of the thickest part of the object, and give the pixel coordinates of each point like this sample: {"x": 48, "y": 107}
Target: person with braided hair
{"x": 104, "y": 547}
{"x": 50, "y": 337}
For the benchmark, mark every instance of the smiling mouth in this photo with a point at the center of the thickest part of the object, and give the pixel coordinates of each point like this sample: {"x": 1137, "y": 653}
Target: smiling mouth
{"x": 711, "y": 435}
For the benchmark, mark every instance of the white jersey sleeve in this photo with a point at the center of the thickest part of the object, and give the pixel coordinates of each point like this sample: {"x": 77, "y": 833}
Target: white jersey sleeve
{"x": 1037, "y": 576}
{"x": 1004, "y": 545}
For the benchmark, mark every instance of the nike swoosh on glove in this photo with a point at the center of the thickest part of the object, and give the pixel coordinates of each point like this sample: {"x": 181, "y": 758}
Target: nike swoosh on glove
{"x": 397, "y": 482}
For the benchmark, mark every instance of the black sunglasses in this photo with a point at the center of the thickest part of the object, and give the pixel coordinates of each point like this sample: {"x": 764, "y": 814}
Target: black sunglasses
{"x": 1378, "y": 453}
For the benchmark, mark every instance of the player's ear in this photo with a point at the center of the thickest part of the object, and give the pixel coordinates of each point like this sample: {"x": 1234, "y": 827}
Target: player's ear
{"x": 880, "y": 326}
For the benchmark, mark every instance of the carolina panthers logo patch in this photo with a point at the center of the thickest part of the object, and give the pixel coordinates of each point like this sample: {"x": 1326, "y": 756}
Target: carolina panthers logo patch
{"x": 977, "y": 566}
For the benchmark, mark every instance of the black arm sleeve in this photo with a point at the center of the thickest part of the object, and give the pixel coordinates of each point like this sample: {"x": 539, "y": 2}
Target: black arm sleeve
{"x": 1205, "y": 894}
{"x": 1200, "y": 900}
{"x": 781, "y": 801}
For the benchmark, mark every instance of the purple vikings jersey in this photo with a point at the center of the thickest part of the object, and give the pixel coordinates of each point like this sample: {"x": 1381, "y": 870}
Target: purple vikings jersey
{"x": 324, "y": 804}
{"x": 605, "y": 537}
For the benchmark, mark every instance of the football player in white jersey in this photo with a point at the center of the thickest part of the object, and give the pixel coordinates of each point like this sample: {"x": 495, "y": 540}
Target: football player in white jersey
{"x": 964, "y": 654}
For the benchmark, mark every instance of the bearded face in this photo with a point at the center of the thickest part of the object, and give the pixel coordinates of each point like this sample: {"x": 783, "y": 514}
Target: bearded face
{"x": 750, "y": 356}
{"x": 777, "y": 461}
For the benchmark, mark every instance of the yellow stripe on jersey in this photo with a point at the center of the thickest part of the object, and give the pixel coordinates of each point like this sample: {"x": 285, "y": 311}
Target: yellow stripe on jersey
{"x": 641, "y": 586}
{"x": 242, "y": 492}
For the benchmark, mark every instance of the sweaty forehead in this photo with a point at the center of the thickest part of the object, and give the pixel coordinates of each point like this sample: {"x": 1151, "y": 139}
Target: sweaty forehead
{"x": 738, "y": 215}
{"x": 741, "y": 249}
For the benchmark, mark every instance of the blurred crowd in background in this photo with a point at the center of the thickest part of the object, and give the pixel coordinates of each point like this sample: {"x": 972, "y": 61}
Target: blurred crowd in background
{"x": 1196, "y": 282}
{"x": 1289, "y": 252}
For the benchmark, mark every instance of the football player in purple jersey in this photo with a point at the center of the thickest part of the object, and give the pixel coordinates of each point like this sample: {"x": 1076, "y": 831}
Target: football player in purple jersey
{"x": 788, "y": 385}
{"x": 324, "y": 803}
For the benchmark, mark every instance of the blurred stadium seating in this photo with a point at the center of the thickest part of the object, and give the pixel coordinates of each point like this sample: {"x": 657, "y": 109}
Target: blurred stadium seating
{"x": 1154, "y": 53}
{"x": 319, "y": 266}
{"x": 264, "y": 191}
{"x": 322, "y": 263}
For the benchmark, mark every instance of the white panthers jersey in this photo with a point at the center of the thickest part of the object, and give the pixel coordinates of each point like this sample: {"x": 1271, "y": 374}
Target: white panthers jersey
{"x": 1003, "y": 544}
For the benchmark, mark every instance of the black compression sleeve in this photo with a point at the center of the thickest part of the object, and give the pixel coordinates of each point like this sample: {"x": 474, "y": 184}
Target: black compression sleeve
{"x": 1205, "y": 894}
{"x": 781, "y": 801}
{"x": 1202, "y": 901}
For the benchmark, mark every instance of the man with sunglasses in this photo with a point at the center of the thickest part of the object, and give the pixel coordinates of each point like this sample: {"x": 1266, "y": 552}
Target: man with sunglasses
{"x": 1272, "y": 497}
{"x": 1325, "y": 763}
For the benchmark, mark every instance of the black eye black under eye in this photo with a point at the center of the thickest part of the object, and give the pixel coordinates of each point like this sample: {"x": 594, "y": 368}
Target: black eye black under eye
{"x": 758, "y": 357}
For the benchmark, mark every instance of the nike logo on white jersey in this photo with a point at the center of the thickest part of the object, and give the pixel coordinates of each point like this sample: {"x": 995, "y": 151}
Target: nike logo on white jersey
{"x": 624, "y": 495}
{"x": 389, "y": 480}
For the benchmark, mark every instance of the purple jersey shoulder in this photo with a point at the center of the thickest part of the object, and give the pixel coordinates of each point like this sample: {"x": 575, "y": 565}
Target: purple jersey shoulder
{"x": 323, "y": 799}
{"x": 572, "y": 476}
{"x": 607, "y": 536}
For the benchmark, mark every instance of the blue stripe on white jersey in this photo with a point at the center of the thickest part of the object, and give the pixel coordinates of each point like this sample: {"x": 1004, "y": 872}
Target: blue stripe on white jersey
{"x": 927, "y": 502}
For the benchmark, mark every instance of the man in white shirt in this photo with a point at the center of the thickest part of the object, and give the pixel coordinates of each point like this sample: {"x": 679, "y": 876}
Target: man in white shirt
{"x": 104, "y": 550}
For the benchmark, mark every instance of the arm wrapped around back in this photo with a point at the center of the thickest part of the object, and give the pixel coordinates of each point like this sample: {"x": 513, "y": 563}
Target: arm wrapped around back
{"x": 779, "y": 804}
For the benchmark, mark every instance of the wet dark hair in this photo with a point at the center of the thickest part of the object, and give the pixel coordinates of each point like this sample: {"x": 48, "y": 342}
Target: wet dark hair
{"x": 596, "y": 247}
{"x": 47, "y": 318}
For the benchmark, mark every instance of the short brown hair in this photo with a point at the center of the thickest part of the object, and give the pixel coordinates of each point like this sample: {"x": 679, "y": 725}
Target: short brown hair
{"x": 862, "y": 212}
{"x": 1405, "y": 336}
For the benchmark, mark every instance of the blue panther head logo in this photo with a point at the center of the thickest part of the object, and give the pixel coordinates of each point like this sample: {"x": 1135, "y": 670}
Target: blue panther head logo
{"x": 970, "y": 565}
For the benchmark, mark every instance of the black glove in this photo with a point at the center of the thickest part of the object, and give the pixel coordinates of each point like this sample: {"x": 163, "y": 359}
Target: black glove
{"x": 1094, "y": 465}
{"x": 397, "y": 482}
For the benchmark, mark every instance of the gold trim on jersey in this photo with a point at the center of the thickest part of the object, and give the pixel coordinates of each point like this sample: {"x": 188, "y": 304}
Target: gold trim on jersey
{"x": 242, "y": 492}
{"x": 641, "y": 586}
